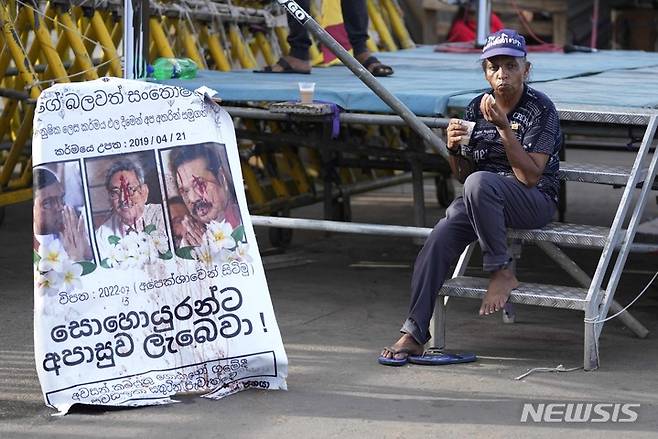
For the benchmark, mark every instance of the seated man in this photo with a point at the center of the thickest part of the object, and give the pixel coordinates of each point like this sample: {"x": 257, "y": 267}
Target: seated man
{"x": 127, "y": 192}
{"x": 510, "y": 172}
{"x": 205, "y": 189}
{"x": 54, "y": 220}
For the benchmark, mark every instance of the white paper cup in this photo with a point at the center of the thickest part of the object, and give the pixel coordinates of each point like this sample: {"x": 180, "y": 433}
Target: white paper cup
{"x": 306, "y": 91}
{"x": 467, "y": 138}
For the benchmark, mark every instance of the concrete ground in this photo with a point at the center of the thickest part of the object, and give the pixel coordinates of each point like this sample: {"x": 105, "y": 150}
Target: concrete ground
{"x": 337, "y": 310}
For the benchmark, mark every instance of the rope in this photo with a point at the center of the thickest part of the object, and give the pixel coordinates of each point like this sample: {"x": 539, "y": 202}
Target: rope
{"x": 60, "y": 24}
{"x": 72, "y": 75}
{"x": 596, "y": 319}
{"x": 557, "y": 369}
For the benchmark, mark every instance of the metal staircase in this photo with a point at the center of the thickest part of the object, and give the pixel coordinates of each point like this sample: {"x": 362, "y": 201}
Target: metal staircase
{"x": 592, "y": 299}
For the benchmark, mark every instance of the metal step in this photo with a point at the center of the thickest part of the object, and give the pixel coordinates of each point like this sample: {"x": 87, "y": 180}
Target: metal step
{"x": 599, "y": 174}
{"x": 576, "y": 235}
{"x": 552, "y": 296}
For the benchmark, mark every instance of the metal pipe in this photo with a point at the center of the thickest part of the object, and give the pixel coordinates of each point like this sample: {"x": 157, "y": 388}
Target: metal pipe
{"x": 483, "y": 22}
{"x": 349, "y": 118}
{"x": 135, "y": 38}
{"x": 564, "y": 261}
{"x": 595, "y": 24}
{"x": 365, "y": 76}
{"x": 128, "y": 40}
{"x": 340, "y": 227}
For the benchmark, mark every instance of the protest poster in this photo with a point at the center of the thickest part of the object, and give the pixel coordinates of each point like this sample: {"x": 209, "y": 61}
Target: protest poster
{"x": 148, "y": 280}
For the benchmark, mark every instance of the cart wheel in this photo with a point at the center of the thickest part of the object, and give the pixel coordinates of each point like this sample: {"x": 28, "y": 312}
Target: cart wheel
{"x": 445, "y": 190}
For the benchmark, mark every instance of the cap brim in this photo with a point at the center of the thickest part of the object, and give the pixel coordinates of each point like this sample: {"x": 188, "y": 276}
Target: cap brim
{"x": 503, "y": 51}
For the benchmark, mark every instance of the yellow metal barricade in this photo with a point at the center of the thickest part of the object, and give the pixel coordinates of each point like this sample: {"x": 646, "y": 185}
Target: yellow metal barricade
{"x": 45, "y": 42}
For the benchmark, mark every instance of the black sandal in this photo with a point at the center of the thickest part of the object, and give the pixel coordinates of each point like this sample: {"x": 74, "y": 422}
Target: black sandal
{"x": 285, "y": 65}
{"x": 378, "y": 69}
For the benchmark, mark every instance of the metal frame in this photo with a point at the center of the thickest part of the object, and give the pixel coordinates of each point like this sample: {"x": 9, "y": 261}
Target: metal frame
{"x": 599, "y": 300}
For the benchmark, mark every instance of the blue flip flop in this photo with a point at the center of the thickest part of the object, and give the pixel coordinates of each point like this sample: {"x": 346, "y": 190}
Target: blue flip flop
{"x": 394, "y": 361}
{"x": 438, "y": 357}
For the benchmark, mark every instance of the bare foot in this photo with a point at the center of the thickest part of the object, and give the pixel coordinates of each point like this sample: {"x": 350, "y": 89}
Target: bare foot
{"x": 405, "y": 346}
{"x": 501, "y": 284}
{"x": 297, "y": 65}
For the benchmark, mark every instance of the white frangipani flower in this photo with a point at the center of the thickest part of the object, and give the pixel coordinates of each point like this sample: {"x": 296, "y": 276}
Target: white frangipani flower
{"x": 117, "y": 255}
{"x": 159, "y": 240}
{"x": 204, "y": 254}
{"x": 131, "y": 243}
{"x": 52, "y": 256}
{"x": 71, "y": 273}
{"x": 49, "y": 283}
{"x": 223, "y": 255}
{"x": 219, "y": 235}
{"x": 242, "y": 252}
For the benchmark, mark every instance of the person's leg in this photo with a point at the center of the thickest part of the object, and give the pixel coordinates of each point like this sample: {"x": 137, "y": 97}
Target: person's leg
{"x": 447, "y": 241}
{"x": 355, "y": 18}
{"x": 494, "y": 203}
{"x": 298, "y": 60}
{"x": 298, "y": 37}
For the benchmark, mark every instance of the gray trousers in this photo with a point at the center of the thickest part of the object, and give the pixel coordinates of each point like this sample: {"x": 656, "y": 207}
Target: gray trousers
{"x": 491, "y": 203}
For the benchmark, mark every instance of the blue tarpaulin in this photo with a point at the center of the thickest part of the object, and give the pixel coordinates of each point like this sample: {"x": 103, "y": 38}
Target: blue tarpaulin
{"x": 428, "y": 82}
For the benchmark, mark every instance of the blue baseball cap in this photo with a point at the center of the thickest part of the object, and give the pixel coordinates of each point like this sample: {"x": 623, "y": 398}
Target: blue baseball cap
{"x": 504, "y": 42}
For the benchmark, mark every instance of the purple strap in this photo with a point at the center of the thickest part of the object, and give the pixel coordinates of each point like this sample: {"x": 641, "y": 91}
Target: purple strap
{"x": 335, "y": 118}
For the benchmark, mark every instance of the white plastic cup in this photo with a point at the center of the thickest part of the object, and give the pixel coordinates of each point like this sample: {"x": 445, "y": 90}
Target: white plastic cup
{"x": 306, "y": 90}
{"x": 467, "y": 138}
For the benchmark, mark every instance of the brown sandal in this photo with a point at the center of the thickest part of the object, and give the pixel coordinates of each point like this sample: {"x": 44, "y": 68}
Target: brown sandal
{"x": 375, "y": 67}
{"x": 285, "y": 65}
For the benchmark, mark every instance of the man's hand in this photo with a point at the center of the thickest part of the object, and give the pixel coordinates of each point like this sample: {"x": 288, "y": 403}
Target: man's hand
{"x": 193, "y": 231}
{"x": 492, "y": 112}
{"x": 527, "y": 167}
{"x": 455, "y": 131}
{"x": 74, "y": 236}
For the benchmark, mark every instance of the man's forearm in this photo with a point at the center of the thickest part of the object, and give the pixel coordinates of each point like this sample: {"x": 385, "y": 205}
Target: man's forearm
{"x": 461, "y": 167}
{"x": 526, "y": 170}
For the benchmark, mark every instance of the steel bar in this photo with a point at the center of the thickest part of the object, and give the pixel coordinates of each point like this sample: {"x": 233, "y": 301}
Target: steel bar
{"x": 314, "y": 142}
{"x": 483, "y": 22}
{"x": 349, "y": 118}
{"x": 570, "y": 266}
{"x": 135, "y": 38}
{"x": 340, "y": 227}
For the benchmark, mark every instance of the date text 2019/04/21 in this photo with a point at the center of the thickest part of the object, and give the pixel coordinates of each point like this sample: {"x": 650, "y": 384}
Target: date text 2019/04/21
{"x": 158, "y": 139}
